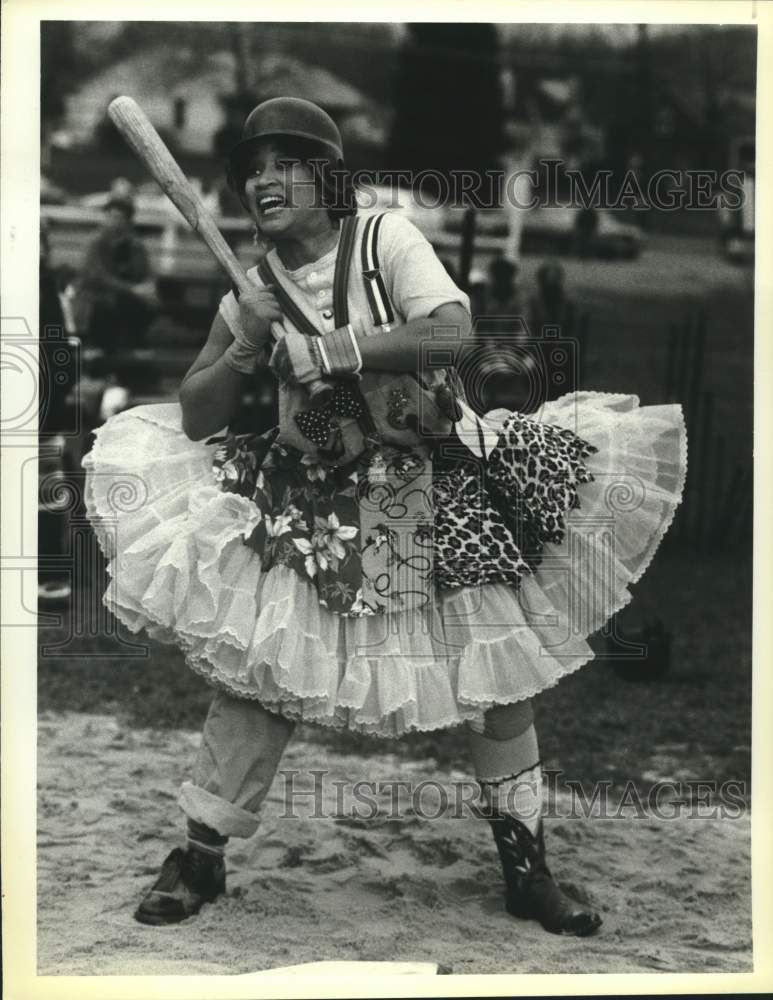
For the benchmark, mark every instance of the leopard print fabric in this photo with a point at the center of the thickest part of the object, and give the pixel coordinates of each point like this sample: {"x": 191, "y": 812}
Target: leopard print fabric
{"x": 493, "y": 520}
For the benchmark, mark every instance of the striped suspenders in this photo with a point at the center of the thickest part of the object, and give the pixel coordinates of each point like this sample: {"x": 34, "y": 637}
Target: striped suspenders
{"x": 382, "y": 311}
{"x": 375, "y": 287}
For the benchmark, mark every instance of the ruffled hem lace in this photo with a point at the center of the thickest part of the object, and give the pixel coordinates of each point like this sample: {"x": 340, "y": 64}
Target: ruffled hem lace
{"x": 180, "y": 571}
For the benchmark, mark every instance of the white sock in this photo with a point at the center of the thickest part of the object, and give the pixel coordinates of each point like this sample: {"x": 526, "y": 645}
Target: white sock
{"x": 510, "y": 774}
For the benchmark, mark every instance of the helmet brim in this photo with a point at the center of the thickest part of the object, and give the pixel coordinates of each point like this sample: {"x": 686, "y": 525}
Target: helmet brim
{"x": 243, "y": 147}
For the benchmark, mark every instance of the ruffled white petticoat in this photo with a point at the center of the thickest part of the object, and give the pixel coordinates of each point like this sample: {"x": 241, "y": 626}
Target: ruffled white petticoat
{"x": 180, "y": 570}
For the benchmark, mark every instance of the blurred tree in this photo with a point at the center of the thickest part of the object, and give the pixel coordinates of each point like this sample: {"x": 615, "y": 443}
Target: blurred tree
{"x": 362, "y": 54}
{"x": 62, "y": 70}
{"x": 675, "y": 107}
{"x": 448, "y": 100}
{"x": 240, "y": 49}
{"x": 103, "y": 49}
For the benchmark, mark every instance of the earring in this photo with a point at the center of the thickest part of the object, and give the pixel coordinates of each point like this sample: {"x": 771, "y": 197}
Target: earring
{"x": 255, "y": 235}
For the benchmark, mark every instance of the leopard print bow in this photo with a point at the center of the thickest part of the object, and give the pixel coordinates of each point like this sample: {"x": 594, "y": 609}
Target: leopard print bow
{"x": 316, "y": 424}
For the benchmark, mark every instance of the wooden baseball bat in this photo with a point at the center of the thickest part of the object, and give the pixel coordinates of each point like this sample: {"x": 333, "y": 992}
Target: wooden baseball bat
{"x": 135, "y": 126}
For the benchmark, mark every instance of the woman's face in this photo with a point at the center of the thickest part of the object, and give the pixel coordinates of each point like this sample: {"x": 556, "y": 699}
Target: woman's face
{"x": 281, "y": 194}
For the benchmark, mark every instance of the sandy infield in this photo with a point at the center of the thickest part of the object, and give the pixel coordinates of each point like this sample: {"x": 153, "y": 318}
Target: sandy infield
{"x": 674, "y": 894}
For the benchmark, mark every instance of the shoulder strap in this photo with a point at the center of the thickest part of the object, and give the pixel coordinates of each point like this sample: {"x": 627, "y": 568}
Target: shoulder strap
{"x": 298, "y": 318}
{"x": 375, "y": 286}
{"x": 342, "y": 269}
{"x": 340, "y": 283}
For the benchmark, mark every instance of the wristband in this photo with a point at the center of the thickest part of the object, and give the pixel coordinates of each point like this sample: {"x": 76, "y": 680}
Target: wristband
{"x": 339, "y": 352}
{"x": 242, "y": 357}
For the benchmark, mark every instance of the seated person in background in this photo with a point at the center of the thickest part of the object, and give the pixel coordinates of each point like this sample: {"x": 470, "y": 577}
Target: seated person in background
{"x": 115, "y": 296}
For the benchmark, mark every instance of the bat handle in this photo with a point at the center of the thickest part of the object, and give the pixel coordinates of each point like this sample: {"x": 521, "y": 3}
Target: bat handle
{"x": 320, "y": 393}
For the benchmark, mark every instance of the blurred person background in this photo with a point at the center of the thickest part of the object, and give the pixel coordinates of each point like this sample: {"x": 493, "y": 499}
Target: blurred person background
{"x": 115, "y": 293}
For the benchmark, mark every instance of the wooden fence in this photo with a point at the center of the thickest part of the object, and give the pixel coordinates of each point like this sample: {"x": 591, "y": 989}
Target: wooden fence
{"x": 718, "y": 505}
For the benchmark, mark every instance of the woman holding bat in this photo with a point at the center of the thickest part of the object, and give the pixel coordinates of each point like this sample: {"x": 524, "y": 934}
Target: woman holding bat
{"x": 281, "y": 563}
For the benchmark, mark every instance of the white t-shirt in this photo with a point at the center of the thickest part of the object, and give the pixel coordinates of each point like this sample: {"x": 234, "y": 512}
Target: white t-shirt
{"x": 416, "y": 281}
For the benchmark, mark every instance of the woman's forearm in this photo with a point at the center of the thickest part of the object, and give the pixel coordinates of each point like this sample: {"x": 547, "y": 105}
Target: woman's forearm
{"x": 209, "y": 399}
{"x": 401, "y": 350}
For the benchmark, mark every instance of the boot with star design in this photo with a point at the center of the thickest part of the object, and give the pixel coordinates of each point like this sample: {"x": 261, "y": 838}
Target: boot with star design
{"x": 531, "y": 892}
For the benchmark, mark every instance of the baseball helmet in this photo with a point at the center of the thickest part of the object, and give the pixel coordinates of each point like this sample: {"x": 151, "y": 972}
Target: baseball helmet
{"x": 285, "y": 116}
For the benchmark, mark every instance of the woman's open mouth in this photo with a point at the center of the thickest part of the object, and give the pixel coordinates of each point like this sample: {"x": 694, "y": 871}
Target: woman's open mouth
{"x": 270, "y": 204}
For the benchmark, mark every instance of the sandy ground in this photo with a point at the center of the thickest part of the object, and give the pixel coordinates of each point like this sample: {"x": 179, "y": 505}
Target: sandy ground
{"x": 675, "y": 895}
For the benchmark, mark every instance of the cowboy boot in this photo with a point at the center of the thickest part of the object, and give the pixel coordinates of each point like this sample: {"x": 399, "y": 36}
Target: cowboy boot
{"x": 188, "y": 879}
{"x": 531, "y": 892}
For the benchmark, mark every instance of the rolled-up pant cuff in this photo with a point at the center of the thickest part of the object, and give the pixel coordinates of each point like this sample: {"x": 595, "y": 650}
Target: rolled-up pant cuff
{"x": 223, "y": 816}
